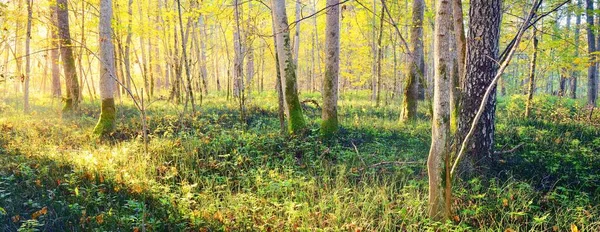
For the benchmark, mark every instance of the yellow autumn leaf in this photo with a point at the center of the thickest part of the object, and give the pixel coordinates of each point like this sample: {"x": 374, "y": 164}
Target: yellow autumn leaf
{"x": 39, "y": 213}
{"x": 574, "y": 228}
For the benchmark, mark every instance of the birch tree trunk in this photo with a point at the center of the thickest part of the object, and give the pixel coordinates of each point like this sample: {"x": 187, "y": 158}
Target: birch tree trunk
{"x": 438, "y": 162}
{"x": 329, "y": 117}
{"x": 72, "y": 99}
{"x": 460, "y": 48}
{"x": 106, "y": 123}
{"x": 26, "y": 107}
{"x": 481, "y": 67}
{"x": 575, "y": 76}
{"x": 287, "y": 68}
{"x": 416, "y": 63}
{"x": 531, "y": 88}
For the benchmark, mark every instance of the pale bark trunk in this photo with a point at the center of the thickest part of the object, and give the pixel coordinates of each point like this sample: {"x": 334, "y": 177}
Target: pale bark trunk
{"x": 460, "y": 44}
{"x": 531, "y": 89}
{"x": 329, "y": 124}
{"x": 190, "y": 92}
{"x": 416, "y": 64}
{"x": 128, "y": 45}
{"x": 438, "y": 161}
{"x": 573, "y": 90}
{"x": 296, "y": 123}
{"x": 379, "y": 60}
{"x": 106, "y": 123}
{"x": 26, "y": 106}
{"x": 55, "y": 55}
{"x": 203, "y": 37}
{"x": 565, "y": 72}
{"x": 72, "y": 99}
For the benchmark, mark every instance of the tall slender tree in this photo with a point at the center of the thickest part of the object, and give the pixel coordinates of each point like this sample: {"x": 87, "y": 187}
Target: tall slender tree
{"x": 26, "y": 107}
{"x": 72, "y": 99}
{"x": 533, "y": 63}
{"x": 438, "y": 162}
{"x": 329, "y": 124}
{"x": 296, "y": 123}
{"x": 106, "y": 123}
{"x": 573, "y": 91}
{"x": 592, "y": 85}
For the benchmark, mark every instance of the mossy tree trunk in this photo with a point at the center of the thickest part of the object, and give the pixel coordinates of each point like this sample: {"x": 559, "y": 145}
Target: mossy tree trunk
{"x": 106, "y": 123}
{"x": 329, "y": 124}
{"x": 438, "y": 161}
{"x": 72, "y": 99}
{"x": 287, "y": 68}
{"x": 55, "y": 56}
{"x": 416, "y": 64}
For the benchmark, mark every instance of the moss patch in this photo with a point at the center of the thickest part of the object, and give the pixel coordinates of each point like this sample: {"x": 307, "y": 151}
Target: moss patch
{"x": 106, "y": 124}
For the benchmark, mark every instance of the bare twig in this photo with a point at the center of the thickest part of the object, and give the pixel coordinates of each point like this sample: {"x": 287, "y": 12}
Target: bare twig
{"x": 509, "y": 151}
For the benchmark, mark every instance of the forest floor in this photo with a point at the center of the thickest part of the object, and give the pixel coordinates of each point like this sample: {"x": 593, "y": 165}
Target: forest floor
{"x": 209, "y": 173}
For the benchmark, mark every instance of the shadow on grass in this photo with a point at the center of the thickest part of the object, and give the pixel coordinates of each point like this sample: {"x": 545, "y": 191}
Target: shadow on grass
{"x": 39, "y": 193}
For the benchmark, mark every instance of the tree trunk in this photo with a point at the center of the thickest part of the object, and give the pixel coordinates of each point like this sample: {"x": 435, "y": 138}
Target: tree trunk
{"x": 575, "y": 76}
{"x": 564, "y": 71}
{"x": 190, "y": 92}
{"x": 106, "y": 123}
{"x": 531, "y": 89}
{"x": 416, "y": 64}
{"x": 439, "y": 158}
{"x": 379, "y": 58}
{"x": 72, "y": 99}
{"x": 55, "y": 55}
{"x": 592, "y": 86}
{"x": 296, "y": 123}
{"x": 203, "y": 38}
{"x": 481, "y": 67}
{"x": 26, "y": 107}
{"x": 329, "y": 124}
{"x": 128, "y": 45}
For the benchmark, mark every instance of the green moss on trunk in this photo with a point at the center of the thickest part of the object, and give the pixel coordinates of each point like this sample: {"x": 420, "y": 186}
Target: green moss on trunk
{"x": 329, "y": 127}
{"x": 106, "y": 124}
{"x": 68, "y": 107}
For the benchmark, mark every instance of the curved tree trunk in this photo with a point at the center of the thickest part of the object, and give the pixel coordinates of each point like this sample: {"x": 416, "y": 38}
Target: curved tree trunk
{"x": 72, "y": 99}
{"x": 416, "y": 64}
{"x": 481, "y": 67}
{"x": 106, "y": 123}
{"x": 329, "y": 124}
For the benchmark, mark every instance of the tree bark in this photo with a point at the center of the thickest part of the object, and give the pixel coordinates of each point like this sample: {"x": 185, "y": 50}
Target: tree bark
{"x": 575, "y": 76}
{"x": 564, "y": 72}
{"x": 106, "y": 123}
{"x": 287, "y": 68}
{"x": 72, "y": 99}
{"x": 26, "y": 106}
{"x": 533, "y": 63}
{"x": 481, "y": 67}
{"x": 592, "y": 91}
{"x": 329, "y": 124}
{"x": 190, "y": 92}
{"x": 438, "y": 160}
{"x": 416, "y": 64}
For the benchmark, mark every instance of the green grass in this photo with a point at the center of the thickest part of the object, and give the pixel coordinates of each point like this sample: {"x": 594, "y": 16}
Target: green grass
{"x": 208, "y": 172}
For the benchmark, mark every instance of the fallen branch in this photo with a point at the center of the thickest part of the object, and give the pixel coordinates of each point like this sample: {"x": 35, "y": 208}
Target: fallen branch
{"x": 509, "y": 151}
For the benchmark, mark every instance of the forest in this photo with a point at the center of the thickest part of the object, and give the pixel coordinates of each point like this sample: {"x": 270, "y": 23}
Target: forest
{"x": 303, "y": 115}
